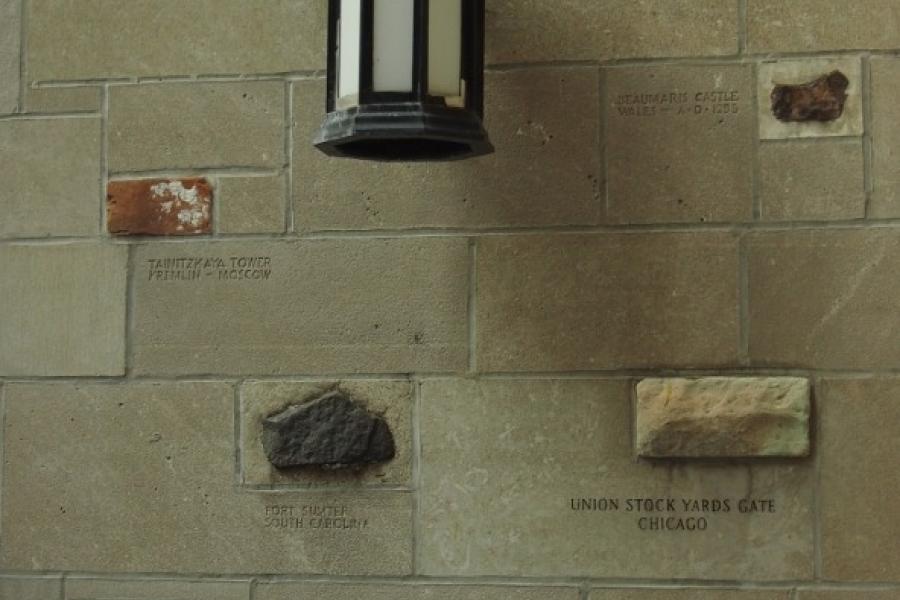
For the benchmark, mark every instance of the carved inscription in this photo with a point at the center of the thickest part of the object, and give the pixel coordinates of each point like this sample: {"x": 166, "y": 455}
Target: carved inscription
{"x": 217, "y": 268}
{"x": 677, "y": 104}
{"x": 688, "y": 515}
{"x": 334, "y": 517}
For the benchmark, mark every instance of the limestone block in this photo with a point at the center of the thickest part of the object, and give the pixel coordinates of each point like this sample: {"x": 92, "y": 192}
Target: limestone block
{"x": 102, "y": 589}
{"x": 63, "y": 99}
{"x": 30, "y": 588}
{"x": 250, "y": 205}
{"x": 10, "y": 31}
{"x": 885, "y": 202}
{"x": 377, "y": 591}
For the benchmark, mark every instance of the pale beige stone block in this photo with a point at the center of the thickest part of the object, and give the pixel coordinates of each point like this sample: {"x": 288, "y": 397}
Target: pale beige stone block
{"x": 374, "y": 591}
{"x": 606, "y": 301}
{"x": 537, "y": 31}
{"x": 30, "y": 588}
{"x": 301, "y": 307}
{"x": 505, "y": 461}
{"x": 860, "y": 443}
{"x": 544, "y": 124}
{"x": 196, "y": 125}
{"x": 50, "y": 169}
{"x": 390, "y": 399}
{"x": 679, "y": 143}
{"x": 812, "y": 181}
{"x": 824, "y": 299}
{"x": 722, "y": 417}
{"x": 142, "y": 38}
{"x": 63, "y": 99}
{"x": 850, "y": 594}
{"x": 885, "y": 201}
{"x": 690, "y": 594}
{"x": 803, "y": 71}
{"x": 63, "y": 310}
{"x": 251, "y": 204}
{"x": 105, "y": 589}
{"x": 10, "y": 31}
{"x": 139, "y": 477}
{"x": 816, "y": 26}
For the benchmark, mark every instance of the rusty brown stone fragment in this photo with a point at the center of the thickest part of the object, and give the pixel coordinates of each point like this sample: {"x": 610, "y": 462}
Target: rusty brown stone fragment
{"x": 819, "y": 100}
{"x": 159, "y": 207}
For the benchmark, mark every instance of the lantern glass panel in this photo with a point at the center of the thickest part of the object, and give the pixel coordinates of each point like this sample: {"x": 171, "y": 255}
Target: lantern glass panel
{"x": 393, "y": 46}
{"x": 444, "y": 47}
{"x": 349, "y": 31}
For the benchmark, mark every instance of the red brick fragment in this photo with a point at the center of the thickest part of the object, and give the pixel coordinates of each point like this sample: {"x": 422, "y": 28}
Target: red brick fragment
{"x": 159, "y": 207}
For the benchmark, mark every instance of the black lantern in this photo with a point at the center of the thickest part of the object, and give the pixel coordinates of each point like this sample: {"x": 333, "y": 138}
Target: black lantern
{"x": 405, "y": 80}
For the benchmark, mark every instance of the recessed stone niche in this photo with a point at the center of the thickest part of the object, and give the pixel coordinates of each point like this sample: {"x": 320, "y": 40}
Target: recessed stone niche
{"x": 723, "y": 417}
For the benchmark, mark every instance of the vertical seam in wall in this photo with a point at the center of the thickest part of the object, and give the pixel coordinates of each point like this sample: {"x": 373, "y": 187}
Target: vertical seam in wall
{"x": 238, "y": 450}
{"x": 757, "y": 144}
{"x": 23, "y": 7}
{"x": 818, "y": 566}
{"x": 744, "y": 299}
{"x": 104, "y": 154}
{"x": 470, "y": 306}
{"x": 251, "y": 591}
{"x": 417, "y": 478}
{"x": 585, "y": 591}
{"x": 742, "y": 26}
{"x": 288, "y": 196}
{"x": 63, "y": 582}
{"x": 868, "y": 147}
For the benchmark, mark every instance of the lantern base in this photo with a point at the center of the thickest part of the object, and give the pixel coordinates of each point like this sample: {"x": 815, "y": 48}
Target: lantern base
{"x": 407, "y": 132}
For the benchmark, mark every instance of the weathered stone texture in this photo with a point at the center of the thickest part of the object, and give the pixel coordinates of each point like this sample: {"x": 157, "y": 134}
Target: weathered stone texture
{"x": 10, "y": 29}
{"x": 849, "y": 594}
{"x": 324, "y": 306}
{"x": 815, "y": 26}
{"x": 537, "y": 31}
{"x": 860, "y": 443}
{"x": 392, "y": 400}
{"x": 102, "y": 589}
{"x": 140, "y": 478}
{"x": 825, "y": 299}
{"x": 680, "y": 143}
{"x": 159, "y": 207}
{"x": 250, "y": 205}
{"x": 812, "y": 181}
{"x": 30, "y": 588}
{"x": 337, "y": 591}
{"x": 885, "y": 201}
{"x": 774, "y": 75}
{"x": 690, "y": 594}
{"x": 106, "y": 38}
{"x": 595, "y": 302}
{"x": 50, "y": 171}
{"x": 502, "y": 462}
{"x": 196, "y": 125}
{"x": 63, "y": 310}
{"x": 63, "y": 99}
{"x": 722, "y": 417}
{"x": 546, "y": 170}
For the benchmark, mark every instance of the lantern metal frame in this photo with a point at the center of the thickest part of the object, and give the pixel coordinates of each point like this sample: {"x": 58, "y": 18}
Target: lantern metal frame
{"x": 407, "y": 126}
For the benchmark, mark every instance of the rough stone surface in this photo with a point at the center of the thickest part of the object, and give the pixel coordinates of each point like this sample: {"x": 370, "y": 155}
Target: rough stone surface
{"x": 537, "y": 31}
{"x": 181, "y": 126}
{"x": 812, "y": 181}
{"x": 860, "y": 441}
{"x": 250, "y": 205}
{"x": 167, "y": 460}
{"x": 606, "y": 301}
{"x": 849, "y": 594}
{"x": 819, "y": 100}
{"x": 103, "y": 589}
{"x": 338, "y": 591}
{"x": 10, "y": 30}
{"x": 159, "y": 207}
{"x": 690, "y": 594}
{"x": 319, "y": 306}
{"x": 503, "y": 460}
{"x": 63, "y": 310}
{"x": 331, "y": 432}
{"x": 106, "y": 38}
{"x": 50, "y": 171}
{"x": 775, "y": 74}
{"x": 680, "y": 143}
{"x": 30, "y": 588}
{"x": 885, "y": 201}
{"x": 392, "y": 400}
{"x": 546, "y": 170}
{"x": 824, "y": 299}
{"x": 63, "y": 99}
{"x": 722, "y": 417}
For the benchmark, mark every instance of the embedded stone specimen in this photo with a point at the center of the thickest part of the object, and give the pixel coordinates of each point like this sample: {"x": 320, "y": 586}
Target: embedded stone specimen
{"x": 159, "y": 207}
{"x": 720, "y": 417}
{"x": 819, "y": 100}
{"x": 330, "y": 432}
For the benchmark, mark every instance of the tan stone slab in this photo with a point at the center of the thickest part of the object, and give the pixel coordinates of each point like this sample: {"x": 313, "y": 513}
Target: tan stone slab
{"x": 885, "y": 201}
{"x": 504, "y": 462}
{"x": 849, "y": 594}
{"x": 111, "y": 589}
{"x": 812, "y": 181}
{"x": 63, "y": 310}
{"x": 140, "y": 478}
{"x": 860, "y": 442}
{"x": 106, "y": 38}
{"x": 815, "y": 26}
{"x": 536, "y": 31}
{"x": 689, "y": 594}
{"x": 10, "y": 31}
{"x": 606, "y": 301}
{"x": 720, "y": 417}
{"x": 803, "y": 71}
{"x": 680, "y": 143}
{"x": 323, "y": 306}
{"x": 824, "y": 299}
{"x": 30, "y": 588}
{"x": 196, "y": 125}
{"x": 390, "y": 399}
{"x": 63, "y": 99}
{"x": 251, "y": 205}
{"x": 332, "y": 591}
{"x": 50, "y": 171}
{"x": 546, "y": 170}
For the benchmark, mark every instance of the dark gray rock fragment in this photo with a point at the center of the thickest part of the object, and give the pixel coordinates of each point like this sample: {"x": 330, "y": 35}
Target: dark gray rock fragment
{"x": 820, "y": 100}
{"x": 331, "y": 432}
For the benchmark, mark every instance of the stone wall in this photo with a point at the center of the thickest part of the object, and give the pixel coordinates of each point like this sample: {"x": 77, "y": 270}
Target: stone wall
{"x": 645, "y": 215}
